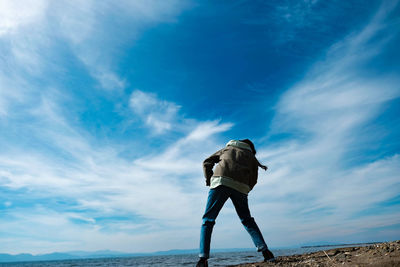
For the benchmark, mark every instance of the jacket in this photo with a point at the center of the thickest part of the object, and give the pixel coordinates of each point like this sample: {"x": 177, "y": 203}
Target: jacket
{"x": 237, "y": 167}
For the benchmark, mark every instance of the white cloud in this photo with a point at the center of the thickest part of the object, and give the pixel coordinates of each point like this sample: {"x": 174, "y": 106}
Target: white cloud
{"x": 82, "y": 25}
{"x": 22, "y": 35}
{"x": 312, "y": 191}
{"x": 7, "y": 95}
{"x": 184, "y": 157}
{"x": 20, "y": 13}
{"x": 87, "y": 26}
{"x": 76, "y": 19}
{"x": 99, "y": 183}
{"x": 125, "y": 236}
{"x": 30, "y": 27}
{"x": 336, "y": 94}
{"x": 162, "y": 116}
{"x": 207, "y": 129}
{"x": 158, "y": 114}
{"x": 58, "y": 160}
{"x": 110, "y": 80}
{"x": 103, "y": 185}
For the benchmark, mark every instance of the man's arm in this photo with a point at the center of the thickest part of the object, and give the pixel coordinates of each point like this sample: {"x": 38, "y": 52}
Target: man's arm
{"x": 208, "y": 165}
{"x": 254, "y": 179}
{"x": 264, "y": 167}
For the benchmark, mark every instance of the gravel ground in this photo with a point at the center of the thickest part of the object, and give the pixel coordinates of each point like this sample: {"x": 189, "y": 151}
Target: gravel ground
{"x": 378, "y": 255}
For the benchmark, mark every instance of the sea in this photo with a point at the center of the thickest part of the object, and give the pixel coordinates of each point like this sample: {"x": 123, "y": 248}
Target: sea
{"x": 216, "y": 259}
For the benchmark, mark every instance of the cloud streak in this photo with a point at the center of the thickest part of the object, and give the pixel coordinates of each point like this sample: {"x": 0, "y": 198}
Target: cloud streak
{"x": 55, "y": 161}
{"x": 99, "y": 184}
{"x": 157, "y": 114}
{"x": 313, "y": 191}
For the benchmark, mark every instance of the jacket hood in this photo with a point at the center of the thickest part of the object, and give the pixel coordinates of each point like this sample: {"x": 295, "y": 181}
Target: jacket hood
{"x": 237, "y": 143}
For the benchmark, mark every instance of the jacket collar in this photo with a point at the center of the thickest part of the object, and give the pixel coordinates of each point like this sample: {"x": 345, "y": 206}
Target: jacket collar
{"x": 237, "y": 143}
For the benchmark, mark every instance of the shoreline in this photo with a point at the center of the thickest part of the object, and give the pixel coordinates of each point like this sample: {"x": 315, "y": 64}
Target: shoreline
{"x": 343, "y": 245}
{"x": 380, "y": 254}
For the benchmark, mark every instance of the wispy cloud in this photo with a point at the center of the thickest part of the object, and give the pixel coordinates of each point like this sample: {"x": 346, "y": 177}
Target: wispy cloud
{"x": 85, "y": 27}
{"x": 157, "y": 114}
{"x": 49, "y": 157}
{"x": 184, "y": 156}
{"x": 20, "y": 13}
{"x": 99, "y": 184}
{"x": 87, "y": 24}
{"x": 313, "y": 189}
{"x": 55, "y": 161}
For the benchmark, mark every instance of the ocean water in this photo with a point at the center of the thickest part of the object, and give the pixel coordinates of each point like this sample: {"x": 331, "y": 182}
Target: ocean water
{"x": 216, "y": 259}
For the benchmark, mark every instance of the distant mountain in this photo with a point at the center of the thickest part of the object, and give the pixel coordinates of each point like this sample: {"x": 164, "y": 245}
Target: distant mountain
{"x": 70, "y": 255}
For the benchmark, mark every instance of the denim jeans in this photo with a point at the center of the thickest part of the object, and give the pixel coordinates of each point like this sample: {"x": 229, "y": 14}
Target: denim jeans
{"x": 216, "y": 200}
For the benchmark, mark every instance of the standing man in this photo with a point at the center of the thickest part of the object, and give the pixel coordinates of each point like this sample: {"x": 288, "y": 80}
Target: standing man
{"x": 234, "y": 176}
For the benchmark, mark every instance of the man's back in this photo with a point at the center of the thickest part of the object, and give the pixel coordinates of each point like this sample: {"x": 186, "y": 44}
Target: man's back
{"x": 235, "y": 162}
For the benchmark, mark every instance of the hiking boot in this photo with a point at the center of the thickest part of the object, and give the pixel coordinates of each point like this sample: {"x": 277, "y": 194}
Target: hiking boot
{"x": 268, "y": 256}
{"x": 202, "y": 263}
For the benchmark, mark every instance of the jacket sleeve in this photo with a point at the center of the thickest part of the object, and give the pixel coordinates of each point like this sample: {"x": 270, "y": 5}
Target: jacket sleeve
{"x": 259, "y": 164}
{"x": 209, "y": 163}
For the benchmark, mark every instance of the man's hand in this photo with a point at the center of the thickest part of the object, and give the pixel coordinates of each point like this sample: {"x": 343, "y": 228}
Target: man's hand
{"x": 264, "y": 167}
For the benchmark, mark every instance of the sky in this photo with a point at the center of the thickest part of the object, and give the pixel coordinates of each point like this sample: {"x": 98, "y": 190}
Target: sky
{"x": 107, "y": 110}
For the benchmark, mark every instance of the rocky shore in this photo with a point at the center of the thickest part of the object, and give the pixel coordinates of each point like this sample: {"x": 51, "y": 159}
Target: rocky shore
{"x": 378, "y": 255}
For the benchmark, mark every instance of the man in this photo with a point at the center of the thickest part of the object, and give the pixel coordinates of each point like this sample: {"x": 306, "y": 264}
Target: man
{"x": 234, "y": 177}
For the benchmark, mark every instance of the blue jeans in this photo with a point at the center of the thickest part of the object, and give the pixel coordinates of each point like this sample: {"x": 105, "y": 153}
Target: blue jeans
{"x": 216, "y": 200}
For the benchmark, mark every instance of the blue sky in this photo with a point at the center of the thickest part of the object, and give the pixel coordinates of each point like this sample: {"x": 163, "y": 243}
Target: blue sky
{"x": 107, "y": 111}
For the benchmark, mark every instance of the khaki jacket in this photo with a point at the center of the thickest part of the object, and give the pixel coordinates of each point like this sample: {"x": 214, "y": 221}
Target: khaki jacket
{"x": 237, "y": 167}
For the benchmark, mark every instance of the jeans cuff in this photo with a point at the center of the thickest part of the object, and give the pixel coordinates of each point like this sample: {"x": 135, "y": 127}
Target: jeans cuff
{"x": 262, "y": 248}
{"x": 203, "y": 255}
